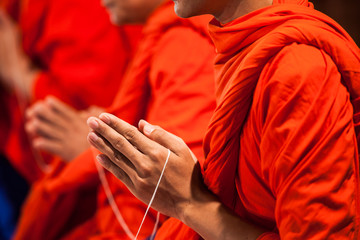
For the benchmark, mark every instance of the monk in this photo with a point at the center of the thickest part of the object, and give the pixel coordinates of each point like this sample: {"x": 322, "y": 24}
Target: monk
{"x": 170, "y": 82}
{"x": 281, "y": 151}
{"x": 70, "y": 51}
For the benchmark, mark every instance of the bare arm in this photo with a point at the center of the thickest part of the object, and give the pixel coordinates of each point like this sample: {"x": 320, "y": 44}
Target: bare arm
{"x": 16, "y": 69}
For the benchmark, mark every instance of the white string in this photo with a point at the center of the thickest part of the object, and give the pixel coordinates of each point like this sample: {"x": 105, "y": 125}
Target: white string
{"x": 153, "y": 196}
{"x": 110, "y": 198}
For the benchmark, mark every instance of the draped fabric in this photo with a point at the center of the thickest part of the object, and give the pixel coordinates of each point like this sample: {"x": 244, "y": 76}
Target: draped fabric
{"x": 273, "y": 135}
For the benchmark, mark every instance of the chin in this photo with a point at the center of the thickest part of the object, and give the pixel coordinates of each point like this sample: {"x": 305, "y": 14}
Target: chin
{"x": 186, "y": 8}
{"x": 181, "y": 11}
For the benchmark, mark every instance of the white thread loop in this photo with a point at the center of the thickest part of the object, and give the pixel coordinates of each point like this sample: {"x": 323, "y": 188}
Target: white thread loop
{"x": 153, "y": 196}
{"x": 111, "y": 198}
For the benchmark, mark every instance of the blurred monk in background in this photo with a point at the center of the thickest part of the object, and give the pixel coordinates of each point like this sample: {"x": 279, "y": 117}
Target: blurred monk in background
{"x": 170, "y": 82}
{"x": 67, "y": 49}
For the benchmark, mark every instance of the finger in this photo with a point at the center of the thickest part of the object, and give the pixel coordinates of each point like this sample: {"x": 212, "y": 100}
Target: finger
{"x": 115, "y": 156}
{"x": 43, "y": 112}
{"x": 115, "y": 170}
{"x": 44, "y": 129}
{"x": 116, "y": 139}
{"x": 162, "y": 137}
{"x": 29, "y": 113}
{"x": 132, "y": 134}
{"x": 47, "y": 145}
{"x": 61, "y": 108}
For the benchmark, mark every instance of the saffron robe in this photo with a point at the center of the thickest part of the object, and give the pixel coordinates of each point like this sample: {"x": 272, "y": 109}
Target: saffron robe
{"x": 169, "y": 83}
{"x": 82, "y": 58}
{"x": 282, "y": 146}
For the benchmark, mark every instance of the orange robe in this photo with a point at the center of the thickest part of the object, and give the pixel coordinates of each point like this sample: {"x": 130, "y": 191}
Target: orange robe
{"x": 170, "y": 83}
{"x": 282, "y": 146}
{"x": 82, "y": 58}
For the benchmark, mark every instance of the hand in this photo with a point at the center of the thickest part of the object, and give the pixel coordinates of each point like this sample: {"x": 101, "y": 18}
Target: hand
{"x": 59, "y": 129}
{"x": 137, "y": 159}
{"x": 16, "y": 70}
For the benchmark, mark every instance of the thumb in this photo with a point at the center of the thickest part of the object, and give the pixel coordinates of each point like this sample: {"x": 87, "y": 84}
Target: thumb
{"x": 162, "y": 137}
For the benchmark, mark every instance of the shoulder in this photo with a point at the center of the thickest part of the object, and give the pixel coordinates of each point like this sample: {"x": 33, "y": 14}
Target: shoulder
{"x": 295, "y": 64}
{"x": 297, "y": 69}
{"x": 296, "y": 79}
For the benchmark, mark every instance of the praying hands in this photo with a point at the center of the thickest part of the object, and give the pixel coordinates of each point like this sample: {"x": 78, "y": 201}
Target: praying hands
{"x": 58, "y": 128}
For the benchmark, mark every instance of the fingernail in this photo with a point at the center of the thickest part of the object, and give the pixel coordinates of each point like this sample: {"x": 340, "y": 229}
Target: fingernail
{"x": 105, "y": 118}
{"x": 93, "y": 137}
{"x": 148, "y": 128}
{"x": 93, "y": 123}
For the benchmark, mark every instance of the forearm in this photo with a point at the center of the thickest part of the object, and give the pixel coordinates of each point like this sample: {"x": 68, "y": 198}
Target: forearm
{"x": 24, "y": 76}
{"x": 212, "y": 220}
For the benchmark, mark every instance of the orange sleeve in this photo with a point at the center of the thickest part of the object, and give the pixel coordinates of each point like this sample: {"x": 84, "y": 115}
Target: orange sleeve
{"x": 82, "y": 55}
{"x": 308, "y": 145}
{"x": 182, "y": 85}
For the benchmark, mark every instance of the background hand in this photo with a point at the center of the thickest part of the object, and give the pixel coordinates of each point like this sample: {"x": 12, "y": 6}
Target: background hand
{"x": 59, "y": 129}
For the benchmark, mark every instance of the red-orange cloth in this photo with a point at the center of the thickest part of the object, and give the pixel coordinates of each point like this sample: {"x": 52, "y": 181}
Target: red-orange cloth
{"x": 82, "y": 58}
{"x": 281, "y": 150}
{"x": 170, "y": 83}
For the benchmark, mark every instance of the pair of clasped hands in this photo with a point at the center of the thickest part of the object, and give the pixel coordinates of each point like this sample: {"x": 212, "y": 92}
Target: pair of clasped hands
{"x": 137, "y": 156}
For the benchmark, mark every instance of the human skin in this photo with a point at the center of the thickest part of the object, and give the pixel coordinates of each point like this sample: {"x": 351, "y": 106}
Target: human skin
{"x": 223, "y": 11}
{"x": 130, "y": 11}
{"x": 51, "y": 123}
{"x": 16, "y": 70}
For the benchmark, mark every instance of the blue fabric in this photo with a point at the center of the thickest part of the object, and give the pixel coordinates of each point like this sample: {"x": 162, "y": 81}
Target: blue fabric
{"x": 13, "y": 190}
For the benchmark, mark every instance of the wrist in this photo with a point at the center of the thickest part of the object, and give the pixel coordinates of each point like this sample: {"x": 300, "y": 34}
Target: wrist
{"x": 202, "y": 201}
{"x": 25, "y": 77}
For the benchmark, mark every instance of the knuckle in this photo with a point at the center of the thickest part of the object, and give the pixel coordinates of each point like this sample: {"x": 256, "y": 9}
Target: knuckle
{"x": 156, "y": 153}
{"x": 130, "y": 133}
{"x": 159, "y": 132}
{"x": 117, "y": 156}
{"x": 119, "y": 143}
{"x": 142, "y": 184}
{"x": 145, "y": 171}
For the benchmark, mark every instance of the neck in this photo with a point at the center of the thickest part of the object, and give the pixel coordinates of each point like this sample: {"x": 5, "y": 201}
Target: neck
{"x": 237, "y": 8}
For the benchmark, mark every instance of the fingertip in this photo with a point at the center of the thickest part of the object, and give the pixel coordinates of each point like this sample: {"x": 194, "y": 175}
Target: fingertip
{"x": 29, "y": 113}
{"x": 148, "y": 128}
{"x": 105, "y": 117}
{"x": 29, "y": 128}
{"x": 93, "y": 137}
{"x": 92, "y": 122}
{"x": 37, "y": 143}
{"x": 49, "y": 100}
{"x": 141, "y": 124}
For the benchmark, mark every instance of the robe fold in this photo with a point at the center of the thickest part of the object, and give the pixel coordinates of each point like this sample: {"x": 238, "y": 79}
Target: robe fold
{"x": 282, "y": 146}
{"x": 170, "y": 83}
{"x": 81, "y": 56}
